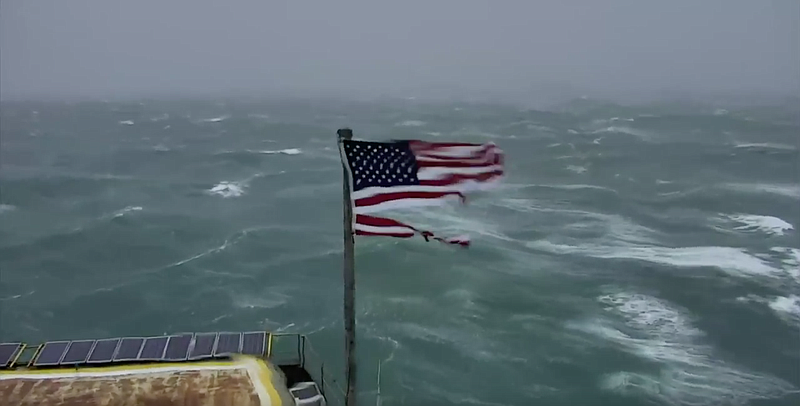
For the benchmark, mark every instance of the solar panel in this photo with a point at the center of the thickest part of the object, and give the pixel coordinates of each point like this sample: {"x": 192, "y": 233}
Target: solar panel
{"x": 103, "y": 351}
{"x": 51, "y": 353}
{"x": 253, "y": 343}
{"x": 7, "y": 353}
{"x": 178, "y": 347}
{"x": 203, "y": 345}
{"x": 228, "y": 343}
{"x": 77, "y": 352}
{"x": 153, "y": 349}
{"x": 129, "y": 349}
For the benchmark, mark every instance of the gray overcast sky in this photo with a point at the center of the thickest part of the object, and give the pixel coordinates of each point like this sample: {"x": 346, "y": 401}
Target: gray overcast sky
{"x": 107, "y": 47}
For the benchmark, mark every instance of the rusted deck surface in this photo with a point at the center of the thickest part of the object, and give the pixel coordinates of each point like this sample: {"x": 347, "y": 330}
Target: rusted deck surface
{"x": 239, "y": 383}
{"x": 202, "y": 388}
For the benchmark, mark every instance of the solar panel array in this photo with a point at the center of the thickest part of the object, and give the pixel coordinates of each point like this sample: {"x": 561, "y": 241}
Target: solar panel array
{"x": 179, "y": 347}
{"x": 8, "y": 352}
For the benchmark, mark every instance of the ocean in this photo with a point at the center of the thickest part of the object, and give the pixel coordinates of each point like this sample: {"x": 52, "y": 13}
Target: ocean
{"x": 640, "y": 254}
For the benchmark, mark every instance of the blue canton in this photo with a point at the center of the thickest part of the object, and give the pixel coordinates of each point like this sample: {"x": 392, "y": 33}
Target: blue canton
{"x": 381, "y": 164}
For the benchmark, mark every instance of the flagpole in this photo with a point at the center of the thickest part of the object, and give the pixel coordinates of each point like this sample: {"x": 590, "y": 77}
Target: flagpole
{"x": 348, "y": 273}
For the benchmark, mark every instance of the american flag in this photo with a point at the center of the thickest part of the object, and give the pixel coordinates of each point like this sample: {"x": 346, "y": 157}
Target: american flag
{"x": 401, "y": 174}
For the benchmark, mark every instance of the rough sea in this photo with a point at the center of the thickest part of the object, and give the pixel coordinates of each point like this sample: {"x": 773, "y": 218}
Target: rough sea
{"x": 633, "y": 255}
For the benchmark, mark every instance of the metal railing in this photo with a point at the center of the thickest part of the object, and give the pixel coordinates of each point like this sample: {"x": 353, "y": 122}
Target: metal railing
{"x": 296, "y": 349}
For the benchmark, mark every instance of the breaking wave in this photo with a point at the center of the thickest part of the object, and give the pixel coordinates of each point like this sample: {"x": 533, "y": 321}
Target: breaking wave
{"x": 766, "y": 224}
{"x": 232, "y": 188}
{"x": 228, "y": 189}
{"x": 731, "y": 260}
{"x": 129, "y": 209}
{"x": 655, "y": 330}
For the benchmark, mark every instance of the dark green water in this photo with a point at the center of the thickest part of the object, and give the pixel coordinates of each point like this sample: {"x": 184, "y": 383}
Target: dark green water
{"x": 633, "y": 256}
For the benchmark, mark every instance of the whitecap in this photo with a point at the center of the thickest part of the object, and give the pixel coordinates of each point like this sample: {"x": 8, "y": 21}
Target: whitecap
{"x": 765, "y": 145}
{"x": 571, "y": 131}
{"x": 660, "y": 332}
{"x": 765, "y": 224}
{"x": 126, "y": 210}
{"x": 5, "y": 208}
{"x": 215, "y": 119}
{"x": 785, "y": 189}
{"x": 790, "y": 261}
{"x": 576, "y": 168}
{"x": 731, "y": 260}
{"x": 228, "y": 189}
{"x": 161, "y": 148}
{"x": 410, "y": 123}
{"x": 787, "y": 307}
{"x": 126, "y": 122}
{"x": 287, "y": 151}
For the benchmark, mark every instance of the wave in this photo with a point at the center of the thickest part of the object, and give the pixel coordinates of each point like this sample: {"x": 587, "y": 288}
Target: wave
{"x": 215, "y": 119}
{"x": 623, "y": 130}
{"x": 786, "y": 308}
{"x": 785, "y": 189}
{"x": 410, "y": 123}
{"x": 562, "y": 186}
{"x": 611, "y": 120}
{"x": 731, "y": 260}
{"x": 267, "y": 300}
{"x": 766, "y": 145}
{"x": 230, "y": 241}
{"x": 287, "y": 151}
{"x": 162, "y": 117}
{"x": 660, "y": 332}
{"x": 766, "y": 224}
{"x": 228, "y": 189}
{"x": 790, "y": 258}
{"x": 5, "y": 208}
{"x": 577, "y": 169}
{"x": 126, "y": 210}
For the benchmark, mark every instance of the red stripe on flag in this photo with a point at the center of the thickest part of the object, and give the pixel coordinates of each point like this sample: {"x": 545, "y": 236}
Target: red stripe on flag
{"x": 379, "y": 221}
{"x": 373, "y": 221}
{"x": 387, "y": 197}
{"x": 386, "y": 234}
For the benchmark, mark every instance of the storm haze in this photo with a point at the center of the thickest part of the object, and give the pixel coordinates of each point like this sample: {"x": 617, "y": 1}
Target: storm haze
{"x": 113, "y": 48}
